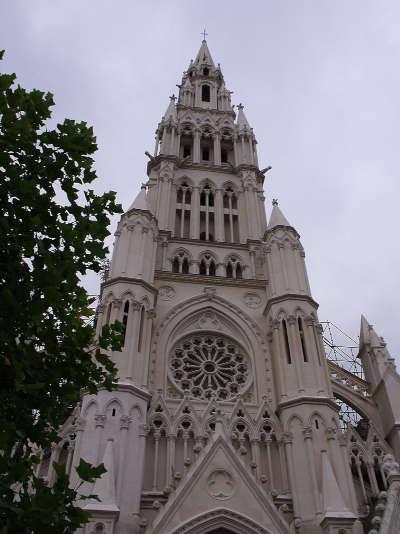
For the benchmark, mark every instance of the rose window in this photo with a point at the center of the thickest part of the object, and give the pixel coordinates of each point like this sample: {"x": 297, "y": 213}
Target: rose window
{"x": 209, "y": 366}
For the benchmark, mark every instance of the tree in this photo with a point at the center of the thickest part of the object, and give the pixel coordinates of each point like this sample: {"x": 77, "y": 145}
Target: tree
{"x": 52, "y": 231}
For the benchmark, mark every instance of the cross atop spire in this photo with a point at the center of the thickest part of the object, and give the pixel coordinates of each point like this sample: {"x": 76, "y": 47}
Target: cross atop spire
{"x": 204, "y": 33}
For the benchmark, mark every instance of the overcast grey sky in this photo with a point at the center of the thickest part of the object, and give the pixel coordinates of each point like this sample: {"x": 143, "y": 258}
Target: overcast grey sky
{"x": 320, "y": 81}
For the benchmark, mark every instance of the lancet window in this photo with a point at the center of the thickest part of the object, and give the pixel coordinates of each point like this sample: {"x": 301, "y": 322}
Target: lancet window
{"x": 286, "y": 341}
{"x": 206, "y": 145}
{"x": 205, "y": 93}
{"x": 231, "y": 216}
{"x": 125, "y": 317}
{"x": 227, "y": 151}
{"x": 183, "y": 210}
{"x": 207, "y": 265}
{"x": 302, "y": 339}
{"x": 207, "y": 218}
{"x": 180, "y": 263}
{"x": 142, "y": 319}
{"x": 186, "y": 147}
{"x": 234, "y": 268}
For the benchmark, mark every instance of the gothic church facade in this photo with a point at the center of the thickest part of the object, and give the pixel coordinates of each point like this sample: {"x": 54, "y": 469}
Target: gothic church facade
{"x": 225, "y": 417}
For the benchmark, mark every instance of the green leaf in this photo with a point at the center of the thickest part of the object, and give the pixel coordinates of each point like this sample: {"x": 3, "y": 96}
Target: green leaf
{"x": 87, "y": 472}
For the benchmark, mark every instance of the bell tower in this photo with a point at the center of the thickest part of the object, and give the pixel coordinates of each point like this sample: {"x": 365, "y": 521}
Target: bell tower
{"x": 224, "y": 415}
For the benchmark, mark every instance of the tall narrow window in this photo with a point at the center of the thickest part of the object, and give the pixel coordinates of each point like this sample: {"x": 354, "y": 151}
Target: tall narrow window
{"x": 205, "y": 93}
{"x": 125, "y": 319}
{"x": 183, "y": 211}
{"x": 141, "y": 328}
{"x": 286, "y": 342}
{"x": 302, "y": 339}
{"x": 175, "y": 265}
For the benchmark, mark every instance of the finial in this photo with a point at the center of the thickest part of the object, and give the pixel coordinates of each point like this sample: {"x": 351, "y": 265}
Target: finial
{"x": 173, "y": 98}
{"x": 274, "y": 201}
{"x": 204, "y": 33}
{"x": 240, "y": 106}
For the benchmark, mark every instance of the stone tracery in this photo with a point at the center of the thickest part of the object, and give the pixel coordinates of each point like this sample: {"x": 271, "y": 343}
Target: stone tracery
{"x": 209, "y": 366}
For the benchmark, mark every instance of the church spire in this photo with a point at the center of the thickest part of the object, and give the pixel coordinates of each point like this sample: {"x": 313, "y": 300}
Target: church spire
{"x": 241, "y": 121}
{"x": 203, "y": 57}
{"x": 277, "y": 218}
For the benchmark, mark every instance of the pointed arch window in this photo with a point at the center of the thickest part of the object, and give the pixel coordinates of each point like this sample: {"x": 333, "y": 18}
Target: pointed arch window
{"x": 180, "y": 263}
{"x": 302, "y": 339}
{"x": 183, "y": 210}
{"x": 207, "y": 217}
{"x": 286, "y": 342}
{"x": 234, "y": 268}
{"x": 205, "y": 93}
{"x": 142, "y": 319}
{"x": 125, "y": 318}
{"x": 207, "y": 265}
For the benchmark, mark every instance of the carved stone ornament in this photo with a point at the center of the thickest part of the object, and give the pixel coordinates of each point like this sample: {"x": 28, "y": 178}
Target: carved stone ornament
{"x": 220, "y": 485}
{"x": 166, "y": 293}
{"x": 209, "y": 366}
{"x": 390, "y": 466}
{"x": 252, "y": 300}
{"x": 209, "y": 321}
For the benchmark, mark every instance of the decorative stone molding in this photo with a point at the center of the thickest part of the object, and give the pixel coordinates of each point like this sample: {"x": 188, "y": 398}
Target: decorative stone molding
{"x": 100, "y": 420}
{"x": 252, "y": 300}
{"x": 220, "y": 484}
{"x": 166, "y": 293}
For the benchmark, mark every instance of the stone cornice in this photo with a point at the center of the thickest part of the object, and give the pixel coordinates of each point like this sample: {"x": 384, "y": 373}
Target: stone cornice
{"x": 157, "y": 159}
{"x": 289, "y": 296}
{"x": 225, "y": 168}
{"x": 306, "y": 399}
{"x": 129, "y": 387}
{"x": 129, "y": 280}
{"x": 208, "y": 280}
{"x": 208, "y": 244}
{"x": 270, "y": 231}
{"x": 180, "y": 107}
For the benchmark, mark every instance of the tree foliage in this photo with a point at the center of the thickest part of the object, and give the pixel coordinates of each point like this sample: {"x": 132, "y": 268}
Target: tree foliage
{"x": 52, "y": 232}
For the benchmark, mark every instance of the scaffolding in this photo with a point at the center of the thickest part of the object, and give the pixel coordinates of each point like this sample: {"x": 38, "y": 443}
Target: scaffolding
{"x": 341, "y": 349}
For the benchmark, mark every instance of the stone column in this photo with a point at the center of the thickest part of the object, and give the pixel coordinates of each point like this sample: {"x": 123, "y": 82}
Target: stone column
{"x": 219, "y": 215}
{"x": 124, "y": 427}
{"x": 99, "y": 422}
{"x": 196, "y": 146}
{"x": 79, "y": 429}
{"x": 195, "y": 214}
{"x": 252, "y": 254}
{"x": 132, "y": 352}
{"x": 288, "y": 441}
{"x": 217, "y": 149}
{"x": 146, "y": 359}
{"x": 156, "y": 145}
{"x": 307, "y": 434}
{"x": 220, "y": 269}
